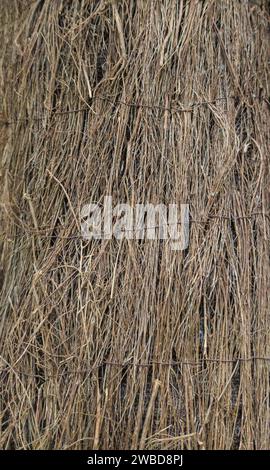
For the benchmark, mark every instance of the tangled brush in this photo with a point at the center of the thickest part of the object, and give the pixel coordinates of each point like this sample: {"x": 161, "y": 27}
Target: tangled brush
{"x": 109, "y": 344}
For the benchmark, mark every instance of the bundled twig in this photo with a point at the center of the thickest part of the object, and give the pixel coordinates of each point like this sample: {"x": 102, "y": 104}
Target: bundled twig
{"x": 110, "y": 346}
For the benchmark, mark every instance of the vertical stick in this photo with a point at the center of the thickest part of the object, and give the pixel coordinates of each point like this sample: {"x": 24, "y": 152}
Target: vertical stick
{"x": 157, "y": 383}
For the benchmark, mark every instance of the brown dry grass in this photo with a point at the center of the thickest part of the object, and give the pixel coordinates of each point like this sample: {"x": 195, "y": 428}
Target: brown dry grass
{"x": 97, "y": 97}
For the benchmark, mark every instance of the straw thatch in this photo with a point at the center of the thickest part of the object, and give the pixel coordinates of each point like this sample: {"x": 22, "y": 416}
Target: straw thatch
{"x": 108, "y": 344}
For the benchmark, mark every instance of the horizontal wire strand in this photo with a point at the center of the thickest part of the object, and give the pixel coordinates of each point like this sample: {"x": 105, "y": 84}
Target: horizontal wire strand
{"x": 183, "y": 362}
{"x": 191, "y": 221}
{"x": 187, "y": 109}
